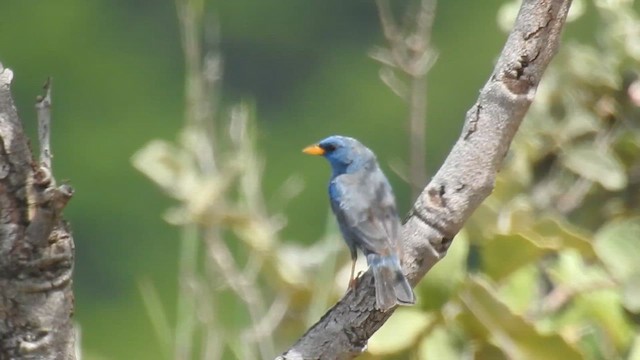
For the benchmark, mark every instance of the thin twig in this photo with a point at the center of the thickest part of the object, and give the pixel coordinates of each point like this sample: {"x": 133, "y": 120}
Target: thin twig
{"x": 189, "y": 19}
{"x": 410, "y": 52}
{"x": 202, "y": 82}
{"x": 389, "y": 26}
{"x": 201, "y": 79}
{"x": 422, "y": 61}
{"x": 199, "y": 82}
{"x": 212, "y": 344}
{"x": 264, "y": 328}
{"x": 186, "y": 307}
{"x": 574, "y": 196}
{"x": 417, "y": 135}
{"x": 157, "y": 314}
{"x": 243, "y": 288}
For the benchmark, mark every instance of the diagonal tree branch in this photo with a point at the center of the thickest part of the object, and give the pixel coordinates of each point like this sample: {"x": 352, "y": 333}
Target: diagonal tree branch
{"x": 36, "y": 247}
{"x": 465, "y": 179}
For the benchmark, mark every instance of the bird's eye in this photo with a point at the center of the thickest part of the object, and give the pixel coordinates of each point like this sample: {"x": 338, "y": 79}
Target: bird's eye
{"x": 329, "y": 147}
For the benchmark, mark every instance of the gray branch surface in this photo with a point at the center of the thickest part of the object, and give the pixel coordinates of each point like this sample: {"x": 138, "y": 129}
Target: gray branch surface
{"x": 465, "y": 179}
{"x": 36, "y": 247}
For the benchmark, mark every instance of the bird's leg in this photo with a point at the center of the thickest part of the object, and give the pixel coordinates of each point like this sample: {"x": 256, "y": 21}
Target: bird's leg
{"x": 352, "y": 280}
{"x": 354, "y": 258}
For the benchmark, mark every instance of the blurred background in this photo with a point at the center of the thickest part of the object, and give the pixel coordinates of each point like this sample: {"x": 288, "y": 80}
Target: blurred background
{"x": 565, "y": 210}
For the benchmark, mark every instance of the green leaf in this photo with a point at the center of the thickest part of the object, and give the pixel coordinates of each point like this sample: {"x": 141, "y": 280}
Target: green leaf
{"x": 520, "y": 290}
{"x": 617, "y": 244}
{"x": 571, "y": 271}
{"x": 438, "y": 345}
{"x": 603, "y": 307}
{"x": 400, "y": 332}
{"x": 592, "y": 67}
{"x": 627, "y": 146}
{"x": 596, "y": 165}
{"x": 504, "y": 254}
{"x": 486, "y": 350}
{"x": 516, "y": 337}
{"x": 594, "y": 299}
{"x": 516, "y": 215}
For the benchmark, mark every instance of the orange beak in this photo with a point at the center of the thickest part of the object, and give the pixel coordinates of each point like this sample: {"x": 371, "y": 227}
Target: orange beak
{"x": 313, "y": 150}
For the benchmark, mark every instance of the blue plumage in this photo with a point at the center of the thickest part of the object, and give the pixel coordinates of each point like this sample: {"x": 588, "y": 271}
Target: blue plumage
{"x": 363, "y": 203}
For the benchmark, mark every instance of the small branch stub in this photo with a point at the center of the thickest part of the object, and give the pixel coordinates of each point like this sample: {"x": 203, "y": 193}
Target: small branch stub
{"x": 43, "y": 108}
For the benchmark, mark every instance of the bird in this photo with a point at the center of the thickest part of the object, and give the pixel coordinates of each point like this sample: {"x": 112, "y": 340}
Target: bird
{"x": 364, "y": 205}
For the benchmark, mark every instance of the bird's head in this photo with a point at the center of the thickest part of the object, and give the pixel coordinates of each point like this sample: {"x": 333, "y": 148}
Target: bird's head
{"x": 345, "y": 154}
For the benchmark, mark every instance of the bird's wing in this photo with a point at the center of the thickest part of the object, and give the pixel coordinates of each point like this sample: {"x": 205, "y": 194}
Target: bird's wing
{"x": 367, "y": 208}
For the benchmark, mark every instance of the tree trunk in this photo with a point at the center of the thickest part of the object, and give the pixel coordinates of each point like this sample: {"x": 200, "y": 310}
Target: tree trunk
{"x": 36, "y": 247}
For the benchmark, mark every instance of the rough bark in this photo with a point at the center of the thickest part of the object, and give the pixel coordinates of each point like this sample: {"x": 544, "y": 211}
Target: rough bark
{"x": 36, "y": 247}
{"x": 465, "y": 179}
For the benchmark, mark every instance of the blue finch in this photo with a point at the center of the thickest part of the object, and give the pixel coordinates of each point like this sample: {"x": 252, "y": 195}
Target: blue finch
{"x": 363, "y": 203}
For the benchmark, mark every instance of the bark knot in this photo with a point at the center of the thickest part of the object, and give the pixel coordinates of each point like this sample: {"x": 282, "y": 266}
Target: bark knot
{"x": 516, "y": 75}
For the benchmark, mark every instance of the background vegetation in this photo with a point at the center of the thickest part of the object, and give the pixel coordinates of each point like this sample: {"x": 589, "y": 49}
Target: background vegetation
{"x": 548, "y": 267}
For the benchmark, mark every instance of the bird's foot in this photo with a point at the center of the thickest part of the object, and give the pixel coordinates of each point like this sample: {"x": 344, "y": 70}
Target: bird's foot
{"x": 353, "y": 283}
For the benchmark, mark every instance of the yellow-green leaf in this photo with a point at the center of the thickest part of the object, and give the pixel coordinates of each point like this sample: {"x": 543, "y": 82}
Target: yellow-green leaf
{"x": 578, "y": 122}
{"x": 438, "y": 345}
{"x": 596, "y": 165}
{"x": 437, "y": 288}
{"x": 595, "y": 300}
{"x": 603, "y": 307}
{"x": 516, "y": 337}
{"x": 520, "y": 289}
{"x": 571, "y": 271}
{"x": 400, "y": 332}
{"x": 504, "y": 254}
{"x": 565, "y": 234}
{"x": 618, "y": 246}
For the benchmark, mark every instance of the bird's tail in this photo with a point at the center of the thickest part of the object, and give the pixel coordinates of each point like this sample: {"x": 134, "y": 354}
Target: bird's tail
{"x": 391, "y": 286}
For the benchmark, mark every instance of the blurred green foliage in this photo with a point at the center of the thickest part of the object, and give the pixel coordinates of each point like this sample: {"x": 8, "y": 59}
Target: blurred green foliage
{"x": 546, "y": 268}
